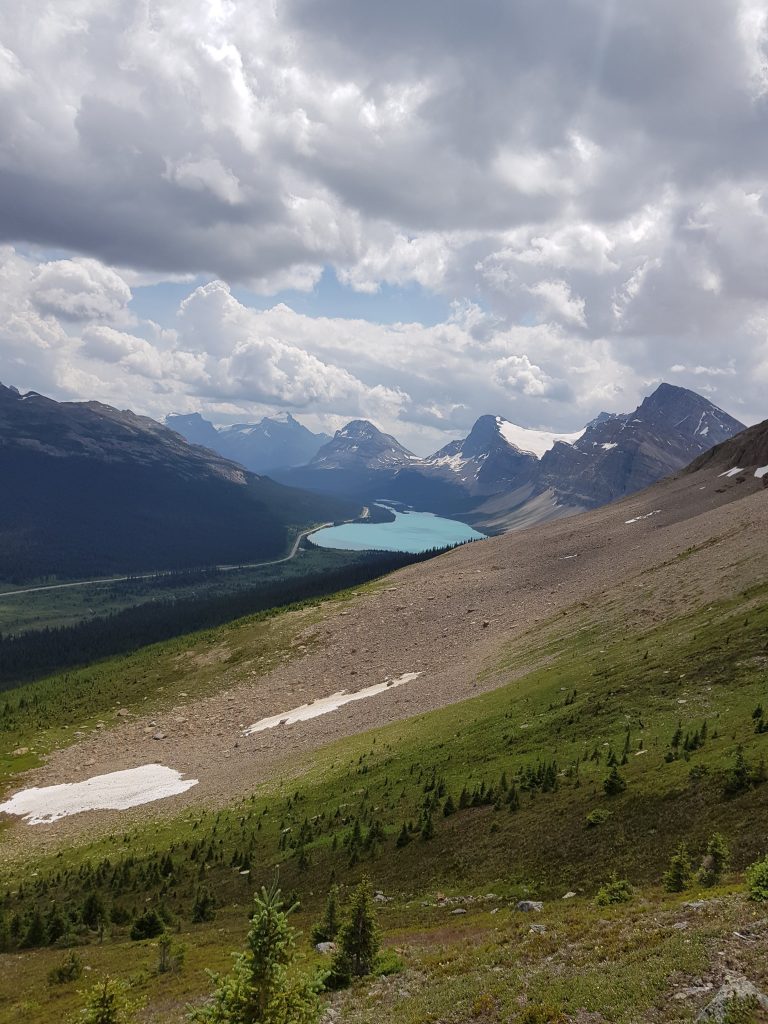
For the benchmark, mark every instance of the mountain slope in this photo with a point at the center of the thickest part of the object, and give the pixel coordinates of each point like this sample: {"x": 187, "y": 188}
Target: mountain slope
{"x": 275, "y": 442}
{"x": 747, "y": 452}
{"x": 615, "y": 456}
{"x": 90, "y": 490}
{"x": 503, "y": 476}
{"x": 358, "y": 460}
{"x": 546, "y": 660}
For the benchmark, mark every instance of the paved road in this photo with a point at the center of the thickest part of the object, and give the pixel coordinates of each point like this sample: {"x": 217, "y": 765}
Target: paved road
{"x": 156, "y": 575}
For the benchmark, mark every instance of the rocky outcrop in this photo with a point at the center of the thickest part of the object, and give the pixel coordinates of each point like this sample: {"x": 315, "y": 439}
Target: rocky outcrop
{"x": 736, "y": 989}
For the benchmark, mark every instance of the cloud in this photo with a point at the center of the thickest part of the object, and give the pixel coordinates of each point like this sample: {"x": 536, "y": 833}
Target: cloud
{"x": 590, "y": 192}
{"x": 79, "y": 289}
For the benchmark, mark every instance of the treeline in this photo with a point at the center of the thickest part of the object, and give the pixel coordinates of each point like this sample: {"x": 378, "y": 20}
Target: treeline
{"x": 37, "y": 653}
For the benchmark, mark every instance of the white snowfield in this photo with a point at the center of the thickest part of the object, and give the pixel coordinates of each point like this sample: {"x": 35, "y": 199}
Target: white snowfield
{"x": 116, "y": 791}
{"x": 327, "y": 704}
{"x": 761, "y": 472}
{"x": 732, "y": 472}
{"x": 646, "y": 516}
{"x": 537, "y": 442}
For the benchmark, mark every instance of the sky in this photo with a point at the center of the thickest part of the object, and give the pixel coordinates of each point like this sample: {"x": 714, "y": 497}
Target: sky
{"x": 413, "y": 212}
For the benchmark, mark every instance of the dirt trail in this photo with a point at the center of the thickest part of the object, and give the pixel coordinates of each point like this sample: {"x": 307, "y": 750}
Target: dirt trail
{"x": 448, "y": 619}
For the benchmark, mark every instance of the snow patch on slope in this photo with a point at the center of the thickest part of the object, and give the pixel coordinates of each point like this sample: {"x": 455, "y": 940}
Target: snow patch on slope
{"x": 537, "y": 442}
{"x": 327, "y": 704}
{"x": 116, "y": 791}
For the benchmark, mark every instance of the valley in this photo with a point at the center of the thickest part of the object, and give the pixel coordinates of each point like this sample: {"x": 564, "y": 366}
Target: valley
{"x": 532, "y": 667}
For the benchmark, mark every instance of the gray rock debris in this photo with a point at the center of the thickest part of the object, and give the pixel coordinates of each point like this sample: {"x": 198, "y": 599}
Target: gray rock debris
{"x": 735, "y": 987}
{"x": 529, "y": 905}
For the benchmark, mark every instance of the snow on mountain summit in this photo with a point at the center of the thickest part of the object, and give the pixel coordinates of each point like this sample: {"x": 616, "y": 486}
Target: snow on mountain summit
{"x": 537, "y": 442}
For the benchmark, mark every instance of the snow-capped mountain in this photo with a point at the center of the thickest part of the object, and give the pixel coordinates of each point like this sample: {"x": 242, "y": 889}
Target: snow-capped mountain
{"x": 497, "y": 455}
{"x": 358, "y": 460}
{"x": 360, "y": 445}
{"x": 275, "y": 442}
{"x": 503, "y": 475}
{"x": 618, "y": 455}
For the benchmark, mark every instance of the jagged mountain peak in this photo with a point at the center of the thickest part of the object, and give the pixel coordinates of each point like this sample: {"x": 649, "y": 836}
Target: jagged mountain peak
{"x": 361, "y": 445}
{"x": 276, "y": 442}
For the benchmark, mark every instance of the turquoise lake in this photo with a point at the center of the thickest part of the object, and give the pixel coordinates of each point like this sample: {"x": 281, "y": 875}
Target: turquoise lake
{"x": 411, "y": 531}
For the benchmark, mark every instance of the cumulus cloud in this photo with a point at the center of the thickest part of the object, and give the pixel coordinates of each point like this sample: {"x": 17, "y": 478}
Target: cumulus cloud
{"x": 590, "y": 192}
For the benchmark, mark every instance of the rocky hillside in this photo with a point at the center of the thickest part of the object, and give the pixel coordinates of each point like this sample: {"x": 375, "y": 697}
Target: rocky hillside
{"x": 91, "y": 490}
{"x": 567, "y": 707}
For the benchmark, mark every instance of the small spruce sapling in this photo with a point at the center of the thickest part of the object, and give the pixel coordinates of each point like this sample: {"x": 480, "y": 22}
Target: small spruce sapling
{"x": 358, "y": 939}
{"x": 757, "y": 880}
{"x": 262, "y": 988}
{"x": 716, "y": 860}
{"x": 679, "y": 875}
{"x": 614, "y": 784}
{"x": 327, "y": 929}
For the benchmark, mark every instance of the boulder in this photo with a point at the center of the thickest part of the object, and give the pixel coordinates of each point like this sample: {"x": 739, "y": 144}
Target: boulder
{"x": 735, "y": 988}
{"x": 325, "y": 947}
{"x": 528, "y": 906}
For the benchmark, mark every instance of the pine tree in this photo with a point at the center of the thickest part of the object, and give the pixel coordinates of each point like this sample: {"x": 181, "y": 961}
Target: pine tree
{"x": 93, "y": 912}
{"x": 204, "y": 907}
{"x": 716, "y": 860}
{"x": 147, "y": 926}
{"x": 404, "y": 838}
{"x": 358, "y": 938}
{"x": 262, "y": 988}
{"x": 107, "y": 1003}
{"x": 35, "y": 934}
{"x": 327, "y": 929}
{"x": 614, "y": 784}
{"x": 680, "y": 873}
{"x": 449, "y": 807}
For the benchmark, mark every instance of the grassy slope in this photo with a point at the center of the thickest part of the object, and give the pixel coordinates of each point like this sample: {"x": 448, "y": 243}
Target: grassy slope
{"x": 599, "y": 679}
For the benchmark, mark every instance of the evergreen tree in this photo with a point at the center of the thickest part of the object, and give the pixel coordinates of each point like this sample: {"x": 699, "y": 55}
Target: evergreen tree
{"x": 147, "y": 926}
{"x": 261, "y": 988}
{"x": 204, "y": 907}
{"x": 55, "y": 924}
{"x": 427, "y": 828}
{"x": 35, "y": 934}
{"x": 93, "y": 911}
{"x": 679, "y": 876}
{"x": 70, "y": 969}
{"x": 358, "y": 938}
{"x": 404, "y": 838}
{"x": 740, "y": 778}
{"x": 449, "y": 807}
{"x": 614, "y": 784}
{"x": 107, "y": 1003}
{"x": 327, "y": 929}
{"x": 716, "y": 860}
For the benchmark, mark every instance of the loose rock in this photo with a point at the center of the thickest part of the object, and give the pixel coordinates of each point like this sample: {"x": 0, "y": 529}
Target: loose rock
{"x": 735, "y": 988}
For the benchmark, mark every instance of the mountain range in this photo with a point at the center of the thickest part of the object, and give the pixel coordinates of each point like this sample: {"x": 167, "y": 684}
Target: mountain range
{"x": 92, "y": 490}
{"x": 275, "y": 442}
{"x": 502, "y": 475}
